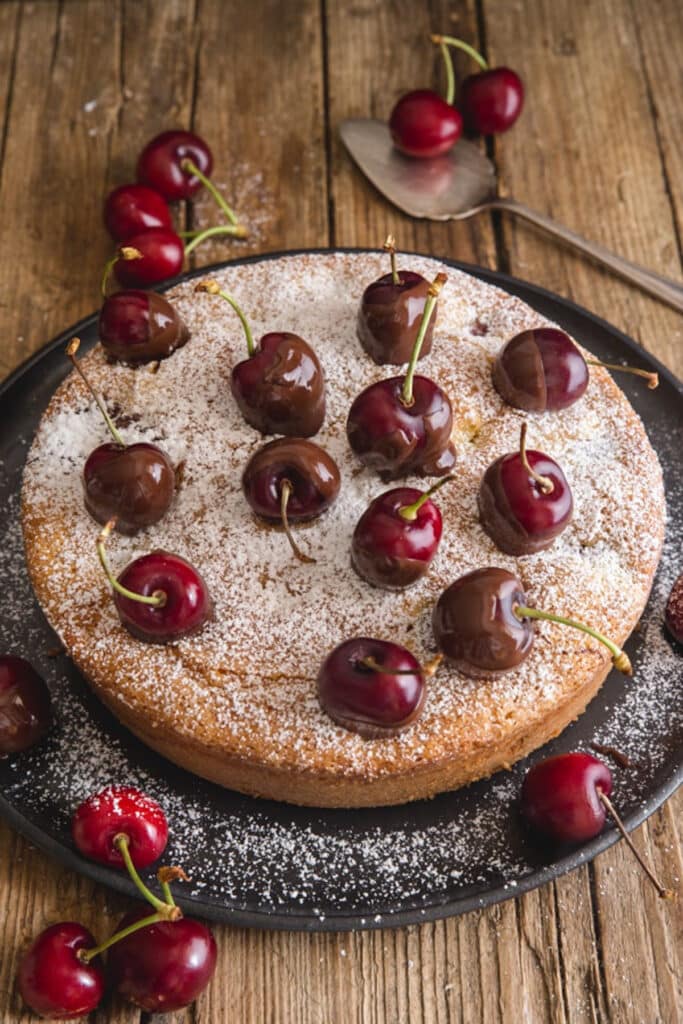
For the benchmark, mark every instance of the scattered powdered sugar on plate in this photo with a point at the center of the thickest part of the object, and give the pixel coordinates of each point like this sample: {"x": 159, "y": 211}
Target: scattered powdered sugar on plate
{"x": 259, "y": 858}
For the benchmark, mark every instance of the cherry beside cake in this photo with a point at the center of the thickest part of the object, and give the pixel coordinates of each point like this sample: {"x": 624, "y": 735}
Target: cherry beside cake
{"x": 237, "y": 702}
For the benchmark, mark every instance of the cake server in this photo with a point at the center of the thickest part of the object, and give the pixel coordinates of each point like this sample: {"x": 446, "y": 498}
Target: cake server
{"x": 462, "y": 183}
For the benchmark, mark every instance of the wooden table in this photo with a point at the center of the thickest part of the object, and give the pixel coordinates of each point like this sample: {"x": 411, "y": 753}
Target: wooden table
{"x": 83, "y": 84}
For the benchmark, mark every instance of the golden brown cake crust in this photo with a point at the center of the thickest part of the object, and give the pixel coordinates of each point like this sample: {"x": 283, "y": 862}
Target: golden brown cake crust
{"x": 236, "y": 704}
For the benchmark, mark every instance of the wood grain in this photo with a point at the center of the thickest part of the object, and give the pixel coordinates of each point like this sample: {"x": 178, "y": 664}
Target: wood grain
{"x": 83, "y": 83}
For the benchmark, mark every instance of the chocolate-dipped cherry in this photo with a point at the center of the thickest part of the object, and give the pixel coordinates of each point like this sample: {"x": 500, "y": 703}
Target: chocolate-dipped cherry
{"x": 279, "y": 387}
{"x": 117, "y": 813}
{"x": 483, "y": 625}
{"x": 54, "y": 980}
{"x": 397, "y": 536}
{"x": 129, "y": 209}
{"x": 490, "y": 100}
{"x": 567, "y": 797}
{"x": 524, "y": 500}
{"x": 403, "y": 425}
{"x": 372, "y": 687}
{"x": 290, "y": 480}
{"x": 138, "y": 327}
{"x": 391, "y": 312}
{"x": 25, "y": 707}
{"x": 135, "y": 482}
{"x": 542, "y": 370}
{"x": 673, "y": 614}
{"x": 159, "y": 597}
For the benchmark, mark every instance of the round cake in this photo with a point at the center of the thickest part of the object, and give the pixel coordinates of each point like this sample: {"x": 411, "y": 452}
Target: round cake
{"x": 237, "y": 702}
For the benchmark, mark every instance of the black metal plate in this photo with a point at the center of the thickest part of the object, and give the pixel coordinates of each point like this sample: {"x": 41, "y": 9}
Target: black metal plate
{"x": 270, "y": 865}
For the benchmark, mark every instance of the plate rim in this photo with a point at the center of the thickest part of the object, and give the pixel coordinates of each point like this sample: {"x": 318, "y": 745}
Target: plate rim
{"x": 292, "y": 920}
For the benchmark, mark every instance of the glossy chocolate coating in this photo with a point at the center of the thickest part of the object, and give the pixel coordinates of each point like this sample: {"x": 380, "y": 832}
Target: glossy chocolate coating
{"x": 392, "y": 552}
{"x": 390, "y": 315}
{"x": 25, "y": 705}
{"x": 281, "y": 388}
{"x": 515, "y": 511}
{"x": 140, "y": 327}
{"x": 475, "y": 625}
{"x": 363, "y": 700}
{"x": 398, "y": 440}
{"x": 312, "y": 473}
{"x": 136, "y": 484}
{"x": 540, "y": 370}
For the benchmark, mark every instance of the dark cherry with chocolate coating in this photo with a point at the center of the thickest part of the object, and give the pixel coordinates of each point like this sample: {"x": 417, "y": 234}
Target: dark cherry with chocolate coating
{"x": 311, "y": 472}
{"x": 389, "y": 318}
{"x": 476, "y": 627}
{"x": 673, "y": 615}
{"x": 187, "y": 605}
{"x": 135, "y": 483}
{"x": 398, "y": 440}
{"x": 390, "y": 551}
{"x": 280, "y": 389}
{"x": 374, "y": 701}
{"x": 519, "y": 515}
{"x": 25, "y": 705}
{"x": 140, "y": 327}
{"x": 540, "y": 370}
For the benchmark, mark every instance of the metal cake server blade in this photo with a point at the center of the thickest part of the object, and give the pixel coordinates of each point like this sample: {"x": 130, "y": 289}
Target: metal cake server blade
{"x": 462, "y": 183}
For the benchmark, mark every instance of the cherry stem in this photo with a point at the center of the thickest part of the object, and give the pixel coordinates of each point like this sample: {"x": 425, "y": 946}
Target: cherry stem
{"x": 156, "y": 600}
{"x": 86, "y": 955}
{"x": 664, "y": 894}
{"x": 390, "y": 247}
{"x": 71, "y": 350}
{"x": 544, "y": 482}
{"x": 409, "y": 512}
{"x": 651, "y": 377}
{"x": 126, "y": 252}
{"x": 220, "y": 229}
{"x": 386, "y": 670}
{"x": 432, "y": 295}
{"x": 620, "y": 659}
{"x": 167, "y": 910}
{"x": 213, "y": 288}
{"x": 285, "y": 495}
{"x": 190, "y": 167}
{"x": 444, "y": 42}
{"x": 170, "y": 874}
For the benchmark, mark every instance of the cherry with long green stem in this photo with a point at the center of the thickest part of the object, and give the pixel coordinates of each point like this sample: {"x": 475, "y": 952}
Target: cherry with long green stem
{"x": 490, "y": 100}
{"x": 390, "y": 314}
{"x": 483, "y": 624}
{"x": 397, "y": 537}
{"x": 134, "y": 484}
{"x": 159, "y": 597}
{"x": 403, "y": 425}
{"x": 280, "y": 387}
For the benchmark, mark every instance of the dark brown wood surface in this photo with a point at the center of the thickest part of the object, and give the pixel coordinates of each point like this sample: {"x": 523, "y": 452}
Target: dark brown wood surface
{"x": 83, "y": 84}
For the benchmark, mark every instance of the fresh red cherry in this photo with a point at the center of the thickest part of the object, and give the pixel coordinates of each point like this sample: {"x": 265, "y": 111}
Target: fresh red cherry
{"x": 290, "y": 479}
{"x": 524, "y": 500}
{"x": 115, "y": 811}
{"x": 371, "y": 687}
{"x": 140, "y": 327}
{"x": 160, "y": 255}
{"x": 165, "y": 164}
{"x": 134, "y": 483}
{"x": 397, "y": 536}
{"x": 483, "y": 624}
{"x": 164, "y": 966}
{"x": 130, "y": 209}
{"x": 423, "y": 124}
{"x": 159, "y": 597}
{"x": 25, "y": 706}
{"x": 542, "y": 369}
{"x": 491, "y": 101}
{"x": 560, "y": 797}
{"x": 390, "y": 314}
{"x": 279, "y": 388}
{"x": 673, "y": 615}
{"x": 52, "y": 979}
{"x": 403, "y": 425}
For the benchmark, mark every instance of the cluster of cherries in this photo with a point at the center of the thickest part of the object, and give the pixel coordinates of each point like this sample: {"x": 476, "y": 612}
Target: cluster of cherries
{"x": 425, "y": 124}
{"x": 157, "y": 959}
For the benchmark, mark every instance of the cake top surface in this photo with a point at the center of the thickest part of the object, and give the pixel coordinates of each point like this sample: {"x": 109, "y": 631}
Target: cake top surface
{"x": 248, "y": 680}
